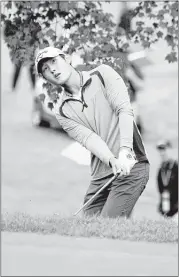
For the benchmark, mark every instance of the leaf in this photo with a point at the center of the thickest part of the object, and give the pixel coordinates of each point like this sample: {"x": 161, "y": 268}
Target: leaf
{"x": 169, "y": 39}
{"x": 40, "y": 35}
{"x": 171, "y": 57}
{"x": 59, "y": 89}
{"x": 139, "y": 29}
{"x": 108, "y": 48}
{"x": 141, "y": 14}
{"x": 161, "y": 12}
{"x": 34, "y": 4}
{"x": 140, "y": 23}
{"x": 148, "y": 10}
{"x": 26, "y": 31}
{"x": 146, "y": 44}
{"x": 171, "y": 30}
{"x": 3, "y": 17}
{"x": 174, "y": 6}
{"x": 50, "y": 14}
{"x": 149, "y": 30}
{"x": 174, "y": 13}
{"x": 50, "y": 33}
{"x": 151, "y": 15}
{"x": 160, "y": 16}
{"x": 163, "y": 24}
{"x": 159, "y": 34}
{"x": 153, "y": 4}
{"x": 50, "y": 105}
{"x": 142, "y": 37}
{"x": 9, "y": 5}
{"x": 41, "y": 97}
{"x": 47, "y": 24}
{"x": 155, "y": 25}
{"x": 14, "y": 41}
{"x": 125, "y": 46}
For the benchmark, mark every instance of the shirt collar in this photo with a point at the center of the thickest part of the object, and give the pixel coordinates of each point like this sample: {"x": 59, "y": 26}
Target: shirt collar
{"x": 85, "y": 77}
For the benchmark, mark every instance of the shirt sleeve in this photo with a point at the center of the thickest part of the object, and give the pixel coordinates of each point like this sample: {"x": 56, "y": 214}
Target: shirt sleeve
{"x": 86, "y": 138}
{"x": 117, "y": 95}
{"x": 75, "y": 130}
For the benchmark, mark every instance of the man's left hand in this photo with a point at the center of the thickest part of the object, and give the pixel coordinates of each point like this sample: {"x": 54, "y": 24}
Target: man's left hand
{"x": 126, "y": 160}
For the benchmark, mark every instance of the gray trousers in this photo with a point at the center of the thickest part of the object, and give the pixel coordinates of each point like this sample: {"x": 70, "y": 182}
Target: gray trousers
{"x": 121, "y": 196}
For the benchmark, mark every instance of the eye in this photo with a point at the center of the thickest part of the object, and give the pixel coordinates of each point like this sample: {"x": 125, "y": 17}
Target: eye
{"x": 45, "y": 68}
{"x": 53, "y": 60}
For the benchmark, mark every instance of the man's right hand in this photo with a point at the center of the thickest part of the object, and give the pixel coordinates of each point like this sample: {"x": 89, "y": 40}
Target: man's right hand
{"x": 115, "y": 164}
{"x": 119, "y": 168}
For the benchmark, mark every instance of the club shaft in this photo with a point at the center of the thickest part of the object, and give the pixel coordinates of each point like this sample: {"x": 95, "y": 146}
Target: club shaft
{"x": 102, "y": 188}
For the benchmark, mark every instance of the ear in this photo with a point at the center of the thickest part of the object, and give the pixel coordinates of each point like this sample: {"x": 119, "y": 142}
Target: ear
{"x": 40, "y": 76}
{"x": 68, "y": 59}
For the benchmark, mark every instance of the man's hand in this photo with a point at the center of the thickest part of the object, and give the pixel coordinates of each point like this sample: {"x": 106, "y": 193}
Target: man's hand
{"x": 124, "y": 163}
{"x": 126, "y": 160}
{"x": 114, "y": 163}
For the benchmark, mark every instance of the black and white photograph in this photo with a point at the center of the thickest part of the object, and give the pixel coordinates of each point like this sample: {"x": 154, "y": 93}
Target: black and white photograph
{"x": 89, "y": 138}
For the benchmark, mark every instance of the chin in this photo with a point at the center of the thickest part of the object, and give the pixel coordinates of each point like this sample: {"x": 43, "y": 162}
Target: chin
{"x": 61, "y": 81}
{"x": 56, "y": 83}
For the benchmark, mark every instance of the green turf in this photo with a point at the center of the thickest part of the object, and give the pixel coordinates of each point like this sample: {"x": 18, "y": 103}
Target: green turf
{"x": 119, "y": 228}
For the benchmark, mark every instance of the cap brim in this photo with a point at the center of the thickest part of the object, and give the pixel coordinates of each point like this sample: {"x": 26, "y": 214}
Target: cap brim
{"x": 161, "y": 147}
{"x": 48, "y": 52}
{"x": 40, "y": 61}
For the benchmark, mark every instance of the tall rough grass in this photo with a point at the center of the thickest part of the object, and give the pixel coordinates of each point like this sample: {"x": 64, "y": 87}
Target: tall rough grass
{"x": 119, "y": 228}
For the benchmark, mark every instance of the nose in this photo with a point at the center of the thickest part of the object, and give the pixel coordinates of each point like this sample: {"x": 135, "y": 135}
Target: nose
{"x": 52, "y": 69}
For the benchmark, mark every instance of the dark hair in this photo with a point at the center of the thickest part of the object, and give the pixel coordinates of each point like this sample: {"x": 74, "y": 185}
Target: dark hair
{"x": 40, "y": 64}
{"x": 164, "y": 145}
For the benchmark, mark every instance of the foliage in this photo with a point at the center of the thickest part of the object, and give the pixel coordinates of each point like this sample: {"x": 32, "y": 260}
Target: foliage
{"x": 85, "y": 27}
{"x": 32, "y": 26}
{"x": 155, "y": 20}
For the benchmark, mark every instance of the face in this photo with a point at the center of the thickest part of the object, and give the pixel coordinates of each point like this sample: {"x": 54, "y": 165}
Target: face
{"x": 163, "y": 154}
{"x": 57, "y": 70}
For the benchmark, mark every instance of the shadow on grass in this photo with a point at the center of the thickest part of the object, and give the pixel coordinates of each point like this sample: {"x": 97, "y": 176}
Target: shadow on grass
{"x": 118, "y": 228}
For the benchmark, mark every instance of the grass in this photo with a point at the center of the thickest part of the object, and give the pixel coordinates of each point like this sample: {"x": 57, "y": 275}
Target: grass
{"x": 163, "y": 231}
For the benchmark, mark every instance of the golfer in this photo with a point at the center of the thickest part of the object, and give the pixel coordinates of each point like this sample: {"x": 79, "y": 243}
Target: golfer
{"x": 95, "y": 110}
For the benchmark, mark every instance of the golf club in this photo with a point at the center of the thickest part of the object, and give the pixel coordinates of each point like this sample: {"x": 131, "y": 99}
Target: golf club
{"x": 92, "y": 198}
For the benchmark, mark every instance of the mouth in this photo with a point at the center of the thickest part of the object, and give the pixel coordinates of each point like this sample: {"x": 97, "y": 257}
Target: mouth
{"x": 57, "y": 75}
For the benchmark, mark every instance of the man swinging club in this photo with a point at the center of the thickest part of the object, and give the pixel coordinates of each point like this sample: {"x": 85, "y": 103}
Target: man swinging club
{"x": 95, "y": 110}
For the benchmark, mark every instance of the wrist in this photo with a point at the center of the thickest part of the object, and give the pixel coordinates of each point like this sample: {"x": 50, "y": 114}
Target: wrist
{"x": 111, "y": 161}
{"x": 128, "y": 152}
{"x": 125, "y": 148}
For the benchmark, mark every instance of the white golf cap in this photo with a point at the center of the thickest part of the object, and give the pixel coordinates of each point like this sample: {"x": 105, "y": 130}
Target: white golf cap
{"x": 48, "y": 52}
